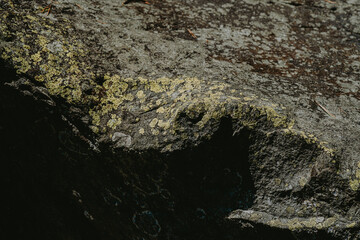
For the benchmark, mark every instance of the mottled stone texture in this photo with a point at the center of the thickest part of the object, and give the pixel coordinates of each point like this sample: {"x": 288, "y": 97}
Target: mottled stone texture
{"x": 185, "y": 119}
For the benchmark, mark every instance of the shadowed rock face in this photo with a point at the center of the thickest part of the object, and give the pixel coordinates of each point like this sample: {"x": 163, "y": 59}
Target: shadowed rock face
{"x": 180, "y": 119}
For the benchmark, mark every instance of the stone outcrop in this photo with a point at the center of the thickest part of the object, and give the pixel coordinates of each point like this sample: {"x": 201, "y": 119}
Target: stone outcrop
{"x": 180, "y": 119}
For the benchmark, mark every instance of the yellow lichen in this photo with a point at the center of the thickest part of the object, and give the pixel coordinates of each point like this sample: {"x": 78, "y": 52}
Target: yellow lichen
{"x": 64, "y": 73}
{"x": 354, "y": 183}
{"x": 351, "y": 225}
{"x": 164, "y": 124}
{"x": 155, "y": 131}
{"x": 277, "y": 181}
{"x": 160, "y": 110}
{"x": 153, "y": 122}
{"x": 303, "y": 181}
{"x": 140, "y": 94}
{"x": 141, "y": 131}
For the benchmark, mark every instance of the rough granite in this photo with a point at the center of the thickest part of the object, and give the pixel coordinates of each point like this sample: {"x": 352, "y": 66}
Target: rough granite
{"x": 260, "y": 97}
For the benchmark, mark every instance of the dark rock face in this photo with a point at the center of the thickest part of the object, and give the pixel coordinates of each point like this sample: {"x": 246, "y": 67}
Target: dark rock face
{"x": 180, "y": 119}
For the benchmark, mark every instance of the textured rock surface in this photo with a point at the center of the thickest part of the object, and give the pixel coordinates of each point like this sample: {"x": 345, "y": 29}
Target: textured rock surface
{"x": 180, "y": 119}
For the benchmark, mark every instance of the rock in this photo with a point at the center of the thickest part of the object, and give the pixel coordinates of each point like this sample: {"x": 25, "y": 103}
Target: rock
{"x": 121, "y": 139}
{"x": 180, "y": 119}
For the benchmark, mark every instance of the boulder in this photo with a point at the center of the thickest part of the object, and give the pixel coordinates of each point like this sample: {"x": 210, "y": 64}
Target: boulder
{"x": 166, "y": 119}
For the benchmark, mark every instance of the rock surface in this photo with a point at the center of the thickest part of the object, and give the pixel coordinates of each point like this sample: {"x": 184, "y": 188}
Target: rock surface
{"x": 180, "y": 119}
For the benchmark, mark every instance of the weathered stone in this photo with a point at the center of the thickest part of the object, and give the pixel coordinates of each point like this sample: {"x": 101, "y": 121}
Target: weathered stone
{"x": 180, "y": 119}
